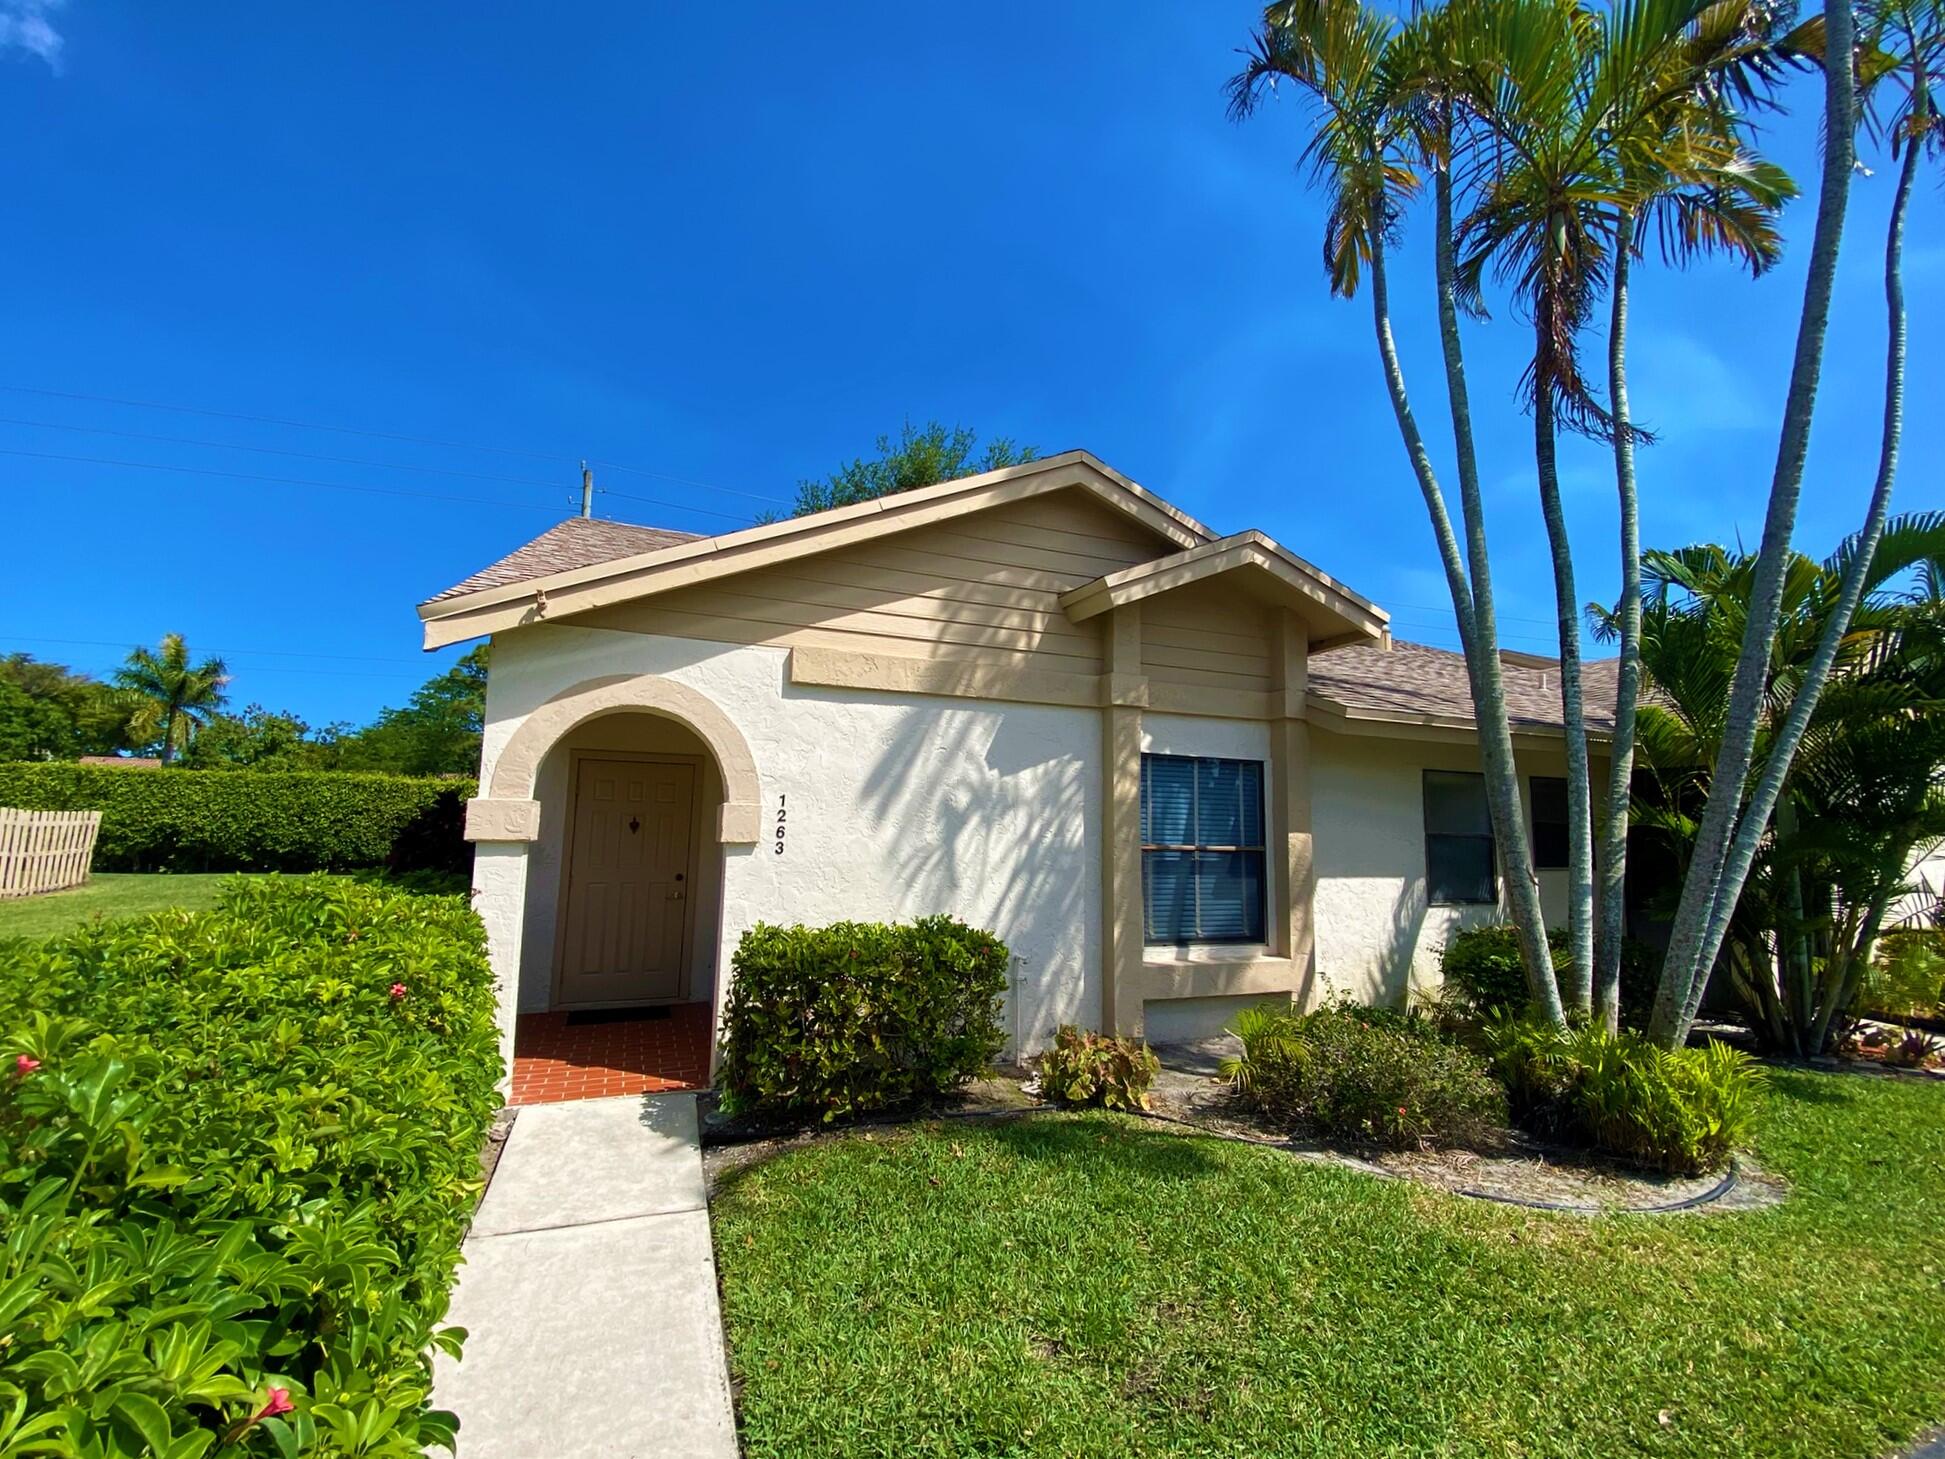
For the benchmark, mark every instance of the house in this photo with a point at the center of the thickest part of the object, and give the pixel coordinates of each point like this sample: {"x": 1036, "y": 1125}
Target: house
{"x": 1177, "y": 772}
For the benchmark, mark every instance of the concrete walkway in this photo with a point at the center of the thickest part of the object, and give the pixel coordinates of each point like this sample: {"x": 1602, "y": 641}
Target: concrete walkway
{"x": 589, "y": 1293}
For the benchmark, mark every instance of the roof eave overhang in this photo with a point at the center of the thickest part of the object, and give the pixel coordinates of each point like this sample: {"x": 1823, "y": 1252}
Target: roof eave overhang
{"x": 1335, "y": 715}
{"x": 474, "y": 615}
{"x": 1334, "y": 614}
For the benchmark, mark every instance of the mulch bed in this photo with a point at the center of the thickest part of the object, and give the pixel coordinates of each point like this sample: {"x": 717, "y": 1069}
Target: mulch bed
{"x": 1519, "y": 1170}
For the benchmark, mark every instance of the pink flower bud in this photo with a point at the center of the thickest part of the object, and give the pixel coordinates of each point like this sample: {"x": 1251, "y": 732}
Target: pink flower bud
{"x": 24, "y": 1065}
{"x": 276, "y": 1402}
{"x": 398, "y": 992}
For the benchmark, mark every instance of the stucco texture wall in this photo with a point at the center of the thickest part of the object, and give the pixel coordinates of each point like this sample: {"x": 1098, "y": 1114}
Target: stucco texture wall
{"x": 895, "y": 807}
{"x": 1378, "y": 938}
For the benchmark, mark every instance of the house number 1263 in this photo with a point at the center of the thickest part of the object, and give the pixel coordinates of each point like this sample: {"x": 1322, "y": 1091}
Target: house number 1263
{"x": 780, "y": 817}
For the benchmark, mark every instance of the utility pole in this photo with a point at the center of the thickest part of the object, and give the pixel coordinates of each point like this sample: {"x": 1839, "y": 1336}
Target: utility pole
{"x": 587, "y": 491}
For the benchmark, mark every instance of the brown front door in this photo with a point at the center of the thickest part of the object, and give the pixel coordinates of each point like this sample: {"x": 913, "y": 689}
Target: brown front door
{"x": 626, "y": 914}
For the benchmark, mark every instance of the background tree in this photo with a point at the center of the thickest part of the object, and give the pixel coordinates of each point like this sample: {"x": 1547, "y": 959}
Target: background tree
{"x": 49, "y": 712}
{"x": 171, "y": 696}
{"x": 436, "y": 733}
{"x": 257, "y": 739}
{"x": 919, "y": 457}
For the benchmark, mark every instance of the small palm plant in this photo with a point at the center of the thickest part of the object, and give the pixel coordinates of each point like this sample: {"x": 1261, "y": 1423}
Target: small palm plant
{"x": 170, "y": 696}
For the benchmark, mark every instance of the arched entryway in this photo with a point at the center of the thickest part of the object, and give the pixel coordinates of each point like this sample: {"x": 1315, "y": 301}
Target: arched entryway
{"x": 600, "y": 875}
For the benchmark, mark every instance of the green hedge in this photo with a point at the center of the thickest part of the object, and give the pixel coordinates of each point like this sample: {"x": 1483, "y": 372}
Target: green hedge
{"x": 840, "y": 1020}
{"x": 1373, "y": 1076}
{"x": 238, "y": 1149}
{"x": 249, "y": 820}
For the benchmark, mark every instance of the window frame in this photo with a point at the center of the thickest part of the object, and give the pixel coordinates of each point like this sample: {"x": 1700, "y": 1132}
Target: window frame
{"x": 1540, "y": 861}
{"x": 1198, "y": 848}
{"x": 1432, "y": 898}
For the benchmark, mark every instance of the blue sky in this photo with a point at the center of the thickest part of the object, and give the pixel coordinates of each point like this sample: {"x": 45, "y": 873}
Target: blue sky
{"x": 727, "y": 247}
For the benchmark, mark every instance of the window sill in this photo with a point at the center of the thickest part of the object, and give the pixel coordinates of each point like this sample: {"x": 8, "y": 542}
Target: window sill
{"x": 1172, "y": 954}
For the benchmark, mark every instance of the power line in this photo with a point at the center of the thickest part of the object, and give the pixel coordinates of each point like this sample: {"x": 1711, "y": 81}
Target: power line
{"x": 276, "y": 480}
{"x": 754, "y": 496}
{"x": 49, "y": 425}
{"x": 282, "y": 653}
{"x": 673, "y": 506}
{"x": 271, "y": 420}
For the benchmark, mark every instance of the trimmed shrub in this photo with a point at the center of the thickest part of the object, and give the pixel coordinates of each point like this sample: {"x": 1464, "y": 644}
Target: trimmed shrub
{"x": 859, "y": 1016}
{"x": 1485, "y": 977}
{"x": 1097, "y": 1068}
{"x": 238, "y": 1149}
{"x": 1373, "y": 1076}
{"x": 252, "y": 820}
{"x": 1681, "y": 1110}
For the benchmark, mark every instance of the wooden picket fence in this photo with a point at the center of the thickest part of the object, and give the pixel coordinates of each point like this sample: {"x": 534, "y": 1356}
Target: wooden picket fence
{"x": 44, "y": 851}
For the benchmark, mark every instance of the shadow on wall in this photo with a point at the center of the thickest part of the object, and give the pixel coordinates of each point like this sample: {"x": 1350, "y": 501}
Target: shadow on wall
{"x": 993, "y": 823}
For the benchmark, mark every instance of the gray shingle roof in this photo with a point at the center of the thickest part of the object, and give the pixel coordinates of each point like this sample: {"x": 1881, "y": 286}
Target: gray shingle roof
{"x": 577, "y": 542}
{"x": 1417, "y": 679}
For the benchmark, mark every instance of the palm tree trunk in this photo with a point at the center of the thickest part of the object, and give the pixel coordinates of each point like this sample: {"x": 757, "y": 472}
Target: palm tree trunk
{"x": 1580, "y": 842}
{"x": 1482, "y": 649}
{"x": 1742, "y": 851}
{"x": 1862, "y": 951}
{"x": 1566, "y": 601}
{"x": 1707, "y": 887}
{"x": 1613, "y": 861}
{"x": 169, "y": 735}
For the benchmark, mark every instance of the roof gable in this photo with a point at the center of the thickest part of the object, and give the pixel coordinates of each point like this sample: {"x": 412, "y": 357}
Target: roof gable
{"x": 492, "y": 606}
{"x": 1253, "y": 563}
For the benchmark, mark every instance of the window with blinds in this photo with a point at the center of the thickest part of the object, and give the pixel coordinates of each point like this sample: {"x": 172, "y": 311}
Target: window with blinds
{"x": 1202, "y": 867}
{"x": 1459, "y": 855}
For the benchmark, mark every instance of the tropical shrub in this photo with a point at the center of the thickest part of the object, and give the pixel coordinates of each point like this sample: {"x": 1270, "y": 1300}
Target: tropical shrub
{"x": 1680, "y": 1110}
{"x": 1368, "y": 1075}
{"x": 1097, "y": 1068}
{"x": 253, "y": 820}
{"x": 238, "y": 1149}
{"x": 1906, "y": 977}
{"x": 1484, "y": 976}
{"x": 841, "y": 1020}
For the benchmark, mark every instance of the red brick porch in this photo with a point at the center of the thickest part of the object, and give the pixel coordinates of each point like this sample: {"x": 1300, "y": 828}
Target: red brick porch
{"x": 554, "y": 1060}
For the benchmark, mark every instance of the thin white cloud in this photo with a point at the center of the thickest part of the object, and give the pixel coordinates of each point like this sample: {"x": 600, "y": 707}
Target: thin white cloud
{"x": 26, "y": 25}
{"x": 1680, "y": 387}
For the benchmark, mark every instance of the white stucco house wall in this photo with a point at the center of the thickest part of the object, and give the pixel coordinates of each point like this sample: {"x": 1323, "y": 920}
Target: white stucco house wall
{"x": 1009, "y": 698}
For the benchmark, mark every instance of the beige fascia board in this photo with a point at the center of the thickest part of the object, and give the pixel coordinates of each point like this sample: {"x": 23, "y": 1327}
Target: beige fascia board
{"x": 1341, "y": 719}
{"x": 577, "y": 590}
{"x": 1363, "y": 620}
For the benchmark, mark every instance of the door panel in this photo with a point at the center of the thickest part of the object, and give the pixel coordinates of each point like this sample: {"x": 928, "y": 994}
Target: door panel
{"x": 627, "y": 891}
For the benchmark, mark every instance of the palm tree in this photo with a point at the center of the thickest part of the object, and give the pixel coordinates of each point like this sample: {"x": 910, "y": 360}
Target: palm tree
{"x": 1902, "y": 51}
{"x": 1712, "y": 887}
{"x": 1586, "y": 119}
{"x": 1351, "y": 63}
{"x": 171, "y": 696}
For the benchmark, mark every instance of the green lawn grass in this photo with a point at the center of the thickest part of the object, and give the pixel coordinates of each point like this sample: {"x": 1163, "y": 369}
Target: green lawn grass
{"x": 108, "y": 894}
{"x": 1094, "y": 1285}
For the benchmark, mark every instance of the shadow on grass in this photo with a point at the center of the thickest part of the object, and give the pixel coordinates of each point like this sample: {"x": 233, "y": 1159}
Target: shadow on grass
{"x": 1119, "y": 1142}
{"x": 1084, "y": 1146}
{"x": 1812, "y": 1086}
